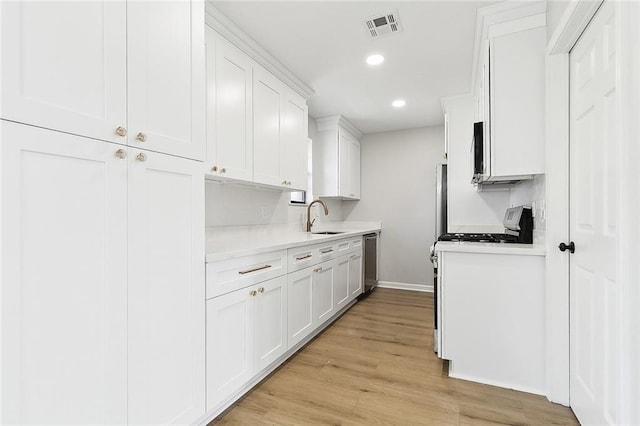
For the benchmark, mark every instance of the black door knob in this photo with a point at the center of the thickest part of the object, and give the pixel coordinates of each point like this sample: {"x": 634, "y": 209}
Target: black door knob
{"x": 564, "y": 247}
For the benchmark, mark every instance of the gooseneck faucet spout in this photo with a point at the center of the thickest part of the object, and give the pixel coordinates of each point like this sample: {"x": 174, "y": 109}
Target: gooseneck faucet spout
{"x": 326, "y": 212}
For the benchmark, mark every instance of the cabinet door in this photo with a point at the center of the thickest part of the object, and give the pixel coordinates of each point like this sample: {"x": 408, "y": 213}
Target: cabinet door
{"x": 166, "y": 289}
{"x": 166, "y": 82}
{"x": 341, "y": 283}
{"x": 230, "y": 344}
{"x": 517, "y": 83}
{"x": 354, "y": 169}
{"x": 295, "y": 157}
{"x": 229, "y": 110}
{"x": 323, "y": 285}
{"x": 299, "y": 305}
{"x": 355, "y": 274}
{"x": 64, "y": 279}
{"x": 270, "y": 321}
{"x": 344, "y": 141}
{"x": 268, "y": 120}
{"x": 64, "y": 66}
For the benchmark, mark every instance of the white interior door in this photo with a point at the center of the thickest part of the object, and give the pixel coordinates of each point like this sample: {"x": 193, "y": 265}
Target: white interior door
{"x": 594, "y": 286}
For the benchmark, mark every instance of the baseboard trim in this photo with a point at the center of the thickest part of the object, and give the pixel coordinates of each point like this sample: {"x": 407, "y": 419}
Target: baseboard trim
{"x": 426, "y": 288}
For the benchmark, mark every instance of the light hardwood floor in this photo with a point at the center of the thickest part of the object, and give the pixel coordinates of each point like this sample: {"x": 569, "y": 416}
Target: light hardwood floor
{"x": 376, "y": 365}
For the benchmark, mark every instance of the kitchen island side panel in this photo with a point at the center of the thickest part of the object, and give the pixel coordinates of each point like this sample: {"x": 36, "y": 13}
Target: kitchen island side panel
{"x": 494, "y": 319}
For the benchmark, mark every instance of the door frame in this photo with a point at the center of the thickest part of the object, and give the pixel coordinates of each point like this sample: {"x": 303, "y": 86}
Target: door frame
{"x": 575, "y": 19}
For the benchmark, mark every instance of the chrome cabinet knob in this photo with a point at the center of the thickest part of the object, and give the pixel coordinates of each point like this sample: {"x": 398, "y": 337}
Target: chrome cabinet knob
{"x": 284, "y": 182}
{"x": 142, "y": 157}
{"x": 253, "y": 293}
{"x": 261, "y": 290}
{"x": 214, "y": 169}
{"x": 121, "y": 131}
{"x": 121, "y": 154}
{"x": 141, "y": 137}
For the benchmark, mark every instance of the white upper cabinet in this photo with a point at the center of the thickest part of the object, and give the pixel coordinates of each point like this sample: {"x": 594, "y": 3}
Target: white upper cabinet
{"x": 166, "y": 76}
{"x": 510, "y": 95}
{"x": 280, "y": 122}
{"x": 257, "y": 126}
{"x": 295, "y": 153}
{"x": 517, "y": 130}
{"x": 229, "y": 110}
{"x": 125, "y": 72}
{"x": 336, "y": 159}
{"x": 64, "y": 66}
{"x": 268, "y": 124}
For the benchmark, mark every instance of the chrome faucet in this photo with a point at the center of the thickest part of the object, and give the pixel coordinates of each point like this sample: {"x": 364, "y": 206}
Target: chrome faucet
{"x": 309, "y": 223}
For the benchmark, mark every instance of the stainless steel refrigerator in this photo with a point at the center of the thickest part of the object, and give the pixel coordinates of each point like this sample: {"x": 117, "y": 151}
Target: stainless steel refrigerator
{"x": 441, "y": 200}
{"x": 441, "y": 228}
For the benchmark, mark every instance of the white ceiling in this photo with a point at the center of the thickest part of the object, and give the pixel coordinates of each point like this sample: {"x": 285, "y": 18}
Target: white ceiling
{"x": 325, "y": 44}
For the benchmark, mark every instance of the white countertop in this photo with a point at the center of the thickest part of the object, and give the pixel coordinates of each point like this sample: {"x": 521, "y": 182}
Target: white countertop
{"x": 223, "y": 243}
{"x": 491, "y": 248}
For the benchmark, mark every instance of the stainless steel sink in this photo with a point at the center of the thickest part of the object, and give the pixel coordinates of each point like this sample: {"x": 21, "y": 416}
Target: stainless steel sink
{"x": 328, "y": 232}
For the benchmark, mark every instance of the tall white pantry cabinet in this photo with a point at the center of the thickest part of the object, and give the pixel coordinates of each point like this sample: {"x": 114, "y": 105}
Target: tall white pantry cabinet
{"x": 102, "y": 212}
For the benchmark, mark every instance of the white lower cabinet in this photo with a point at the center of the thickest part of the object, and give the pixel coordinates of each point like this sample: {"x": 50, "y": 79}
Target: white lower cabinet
{"x": 246, "y": 331}
{"x": 323, "y": 282}
{"x": 299, "y": 305}
{"x": 355, "y": 274}
{"x": 254, "y": 324}
{"x": 341, "y": 282}
{"x": 102, "y": 282}
{"x": 230, "y": 340}
{"x": 270, "y": 321}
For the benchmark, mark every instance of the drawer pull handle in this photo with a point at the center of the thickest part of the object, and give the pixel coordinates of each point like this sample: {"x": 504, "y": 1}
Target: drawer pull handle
{"x": 304, "y": 257}
{"x": 354, "y": 257}
{"x": 259, "y": 268}
{"x": 252, "y": 293}
{"x": 318, "y": 269}
{"x": 326, "y": 251}
{"x": 261, "y": 290}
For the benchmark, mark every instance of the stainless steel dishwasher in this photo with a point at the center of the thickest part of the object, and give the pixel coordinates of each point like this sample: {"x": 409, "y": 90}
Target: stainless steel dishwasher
{"x": 370, "y": 262}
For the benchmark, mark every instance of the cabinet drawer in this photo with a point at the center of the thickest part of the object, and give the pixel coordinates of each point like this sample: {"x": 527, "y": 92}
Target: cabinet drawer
{"x": 229, "y": 275}
{"x": 303, "y": 257}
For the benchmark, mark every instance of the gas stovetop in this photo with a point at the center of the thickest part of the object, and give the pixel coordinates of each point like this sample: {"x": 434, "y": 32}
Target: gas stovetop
{"x": 480, "y": 238}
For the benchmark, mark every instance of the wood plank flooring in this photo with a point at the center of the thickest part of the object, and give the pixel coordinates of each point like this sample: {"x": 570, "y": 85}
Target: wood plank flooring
{"x": 376, "y": 365}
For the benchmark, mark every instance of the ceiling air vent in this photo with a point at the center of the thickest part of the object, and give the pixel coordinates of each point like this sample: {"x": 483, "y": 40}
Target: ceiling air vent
{"x": 382, "y": 24}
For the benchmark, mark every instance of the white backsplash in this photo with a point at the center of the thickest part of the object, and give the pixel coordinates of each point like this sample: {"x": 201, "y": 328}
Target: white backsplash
{"x": 532, "y": 193}
{"x": 233, "y": 204}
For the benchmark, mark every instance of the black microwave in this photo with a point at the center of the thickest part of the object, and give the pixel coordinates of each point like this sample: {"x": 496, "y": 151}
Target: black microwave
{"x": 478, "y": 151}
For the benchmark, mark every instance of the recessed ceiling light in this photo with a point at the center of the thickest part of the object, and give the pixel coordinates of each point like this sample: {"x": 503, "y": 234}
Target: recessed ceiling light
{"x": 398, "y": 103}
{"x": 375, "y": 59}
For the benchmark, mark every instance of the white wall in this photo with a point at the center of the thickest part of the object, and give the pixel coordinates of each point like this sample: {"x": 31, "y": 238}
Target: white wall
{"x": 232, "y": 204}
{"x": 398, "y": 188}
{"x": 468, "y": 210}
{"x": 555, "y": 10}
